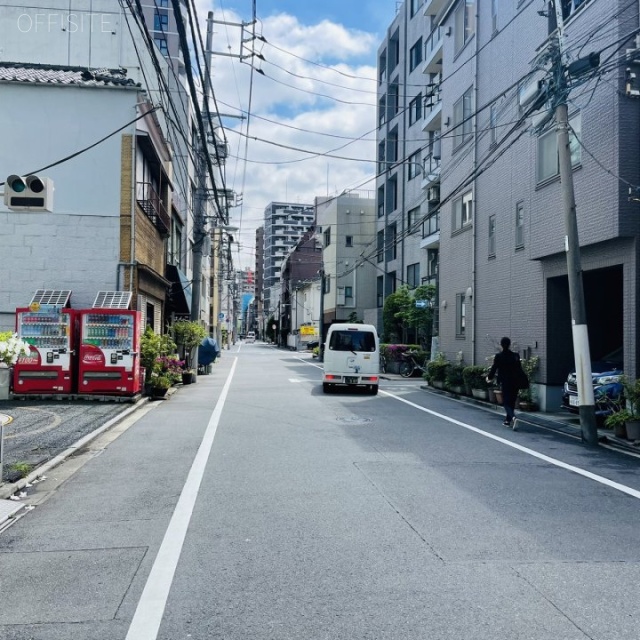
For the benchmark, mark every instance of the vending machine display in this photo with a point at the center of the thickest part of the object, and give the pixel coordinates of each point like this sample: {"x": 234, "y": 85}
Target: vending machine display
{"x": 49, "y": 368}
{"x": 109, "y": 361}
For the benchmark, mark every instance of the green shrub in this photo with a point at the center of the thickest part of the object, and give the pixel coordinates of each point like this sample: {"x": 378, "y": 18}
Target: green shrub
{"x": 437, "y": 368}
{"x": 453, "y": 376}
{"x": 475, "y": 377}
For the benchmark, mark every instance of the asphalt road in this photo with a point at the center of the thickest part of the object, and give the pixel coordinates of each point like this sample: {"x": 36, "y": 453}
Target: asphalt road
{"x": 254, "y": 506}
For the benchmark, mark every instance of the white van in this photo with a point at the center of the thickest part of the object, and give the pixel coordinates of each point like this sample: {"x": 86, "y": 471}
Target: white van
{"x": 351, "y": 357}
{"x": 251, "y": 337}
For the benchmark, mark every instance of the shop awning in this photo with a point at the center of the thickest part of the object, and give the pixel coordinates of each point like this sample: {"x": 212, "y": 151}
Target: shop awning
{"x": 180, "y": 292}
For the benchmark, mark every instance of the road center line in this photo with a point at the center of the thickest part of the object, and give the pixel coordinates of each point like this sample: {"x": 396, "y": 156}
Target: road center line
{"x": 148, "y": 615}
{"x": 634, "y": 493}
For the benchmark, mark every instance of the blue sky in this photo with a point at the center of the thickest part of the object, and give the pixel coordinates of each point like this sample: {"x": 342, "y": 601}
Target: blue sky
{"x": 312, "y": 117}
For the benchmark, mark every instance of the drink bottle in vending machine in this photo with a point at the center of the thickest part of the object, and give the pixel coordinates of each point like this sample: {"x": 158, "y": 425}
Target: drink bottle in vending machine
{"x": 109, "y": 360}
{"x": 50, "y": 366}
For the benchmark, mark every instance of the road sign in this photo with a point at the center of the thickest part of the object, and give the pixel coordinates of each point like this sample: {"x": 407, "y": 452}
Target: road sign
{"x": 221, "y": 316}
{"x": 421, "y": 304}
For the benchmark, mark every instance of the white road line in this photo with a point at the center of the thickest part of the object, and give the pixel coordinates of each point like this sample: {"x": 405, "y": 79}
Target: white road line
{"x": 634, "y": 493}
{"x": 148, "y": 616}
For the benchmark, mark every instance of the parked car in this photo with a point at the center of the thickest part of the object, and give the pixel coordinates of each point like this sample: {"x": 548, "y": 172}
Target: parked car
{"x": 251, "y": 337}
{"x": 607, "y": 386}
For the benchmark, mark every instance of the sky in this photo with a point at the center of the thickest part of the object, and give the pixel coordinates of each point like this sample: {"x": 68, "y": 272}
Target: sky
{"x": 309, "y": 114}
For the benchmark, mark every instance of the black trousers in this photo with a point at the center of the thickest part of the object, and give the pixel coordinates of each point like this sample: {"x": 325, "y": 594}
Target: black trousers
{"x": 509, "y": 397}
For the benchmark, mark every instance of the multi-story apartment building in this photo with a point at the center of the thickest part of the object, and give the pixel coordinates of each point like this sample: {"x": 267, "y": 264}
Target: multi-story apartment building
{"x": 258, "y": 303}
{"x": 409, "y": 122}
{"x": 345, "y": 227}
{"x": 502, "y": 260}
{"x": 284, "y": 224}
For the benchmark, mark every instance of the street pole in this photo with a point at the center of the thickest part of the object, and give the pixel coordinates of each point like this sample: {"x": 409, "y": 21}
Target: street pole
{"x": 572, "y": 248}
{"x": 321, "y": 321}
{"x": 199, "y": 232}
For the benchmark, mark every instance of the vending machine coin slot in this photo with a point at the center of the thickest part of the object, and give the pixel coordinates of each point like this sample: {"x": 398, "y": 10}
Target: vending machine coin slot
{"x": 49, "y": 357}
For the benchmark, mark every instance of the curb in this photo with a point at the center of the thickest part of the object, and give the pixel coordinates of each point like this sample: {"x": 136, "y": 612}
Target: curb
{"x": 7, "y": 490}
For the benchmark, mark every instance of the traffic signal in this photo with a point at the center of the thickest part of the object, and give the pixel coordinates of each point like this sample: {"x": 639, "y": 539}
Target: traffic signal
{"x": 28, "y": 193}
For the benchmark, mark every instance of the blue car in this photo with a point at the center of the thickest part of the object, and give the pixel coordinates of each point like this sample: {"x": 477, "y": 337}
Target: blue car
{"x": 607, "y": 385}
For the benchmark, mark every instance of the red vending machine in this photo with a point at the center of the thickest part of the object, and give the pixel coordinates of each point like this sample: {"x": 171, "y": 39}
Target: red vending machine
{"x": 48, "y": 325}
{"x": 109, "y": 361}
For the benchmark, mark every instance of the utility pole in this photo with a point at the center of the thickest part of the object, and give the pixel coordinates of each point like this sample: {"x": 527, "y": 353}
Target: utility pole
{"x": 572, "y": 247}
{"x": 321, "y": 320}
{"x": 201, "y": 194}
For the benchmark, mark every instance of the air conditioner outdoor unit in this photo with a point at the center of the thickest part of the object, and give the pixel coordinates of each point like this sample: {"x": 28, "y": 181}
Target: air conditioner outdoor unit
{"x": 433, "y": 194}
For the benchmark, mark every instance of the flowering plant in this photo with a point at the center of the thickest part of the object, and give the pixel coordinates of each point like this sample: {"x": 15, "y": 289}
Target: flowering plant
{"x": 11, "y": 348}
{"x": 171, "y": 367}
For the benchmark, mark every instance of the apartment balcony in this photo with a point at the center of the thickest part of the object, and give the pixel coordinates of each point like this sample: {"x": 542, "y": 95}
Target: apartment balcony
{"x": 151, "y": 203}
{"x": 433, "y": 7}
{"x": 430, "y": 172}
{"x": 433, "y": 52}
{"x": 433, "y": 116}
{"x": 431, "y": 232}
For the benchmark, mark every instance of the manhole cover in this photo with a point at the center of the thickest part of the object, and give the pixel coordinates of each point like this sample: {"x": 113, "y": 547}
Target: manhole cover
{"x": 354, "y": 420}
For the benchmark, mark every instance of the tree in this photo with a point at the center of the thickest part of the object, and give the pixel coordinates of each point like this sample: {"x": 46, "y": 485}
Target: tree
{"x": 405, "y": 321}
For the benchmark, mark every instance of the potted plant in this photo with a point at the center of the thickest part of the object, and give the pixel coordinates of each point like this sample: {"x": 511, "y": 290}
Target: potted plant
{"x": 526, "y": 397}
{"x": 11, "y": 348}
{"x": 437, "y": 371}
{"x": 617, "y": 421}
{"x": 475, "y": 379}
{"x": 188, "y": 335}
{"x": 629, "y": 412}
{"x": 160, "y": 384}
{"x": 453, "y": 378}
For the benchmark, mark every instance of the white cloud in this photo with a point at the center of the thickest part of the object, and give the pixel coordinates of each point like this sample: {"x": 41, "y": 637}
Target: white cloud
{"x": 288, "y": 95}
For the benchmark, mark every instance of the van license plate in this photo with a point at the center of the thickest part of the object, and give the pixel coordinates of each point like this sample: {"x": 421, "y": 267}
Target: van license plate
{"x": 351, "y": 380}
{"x": 573, "y": 401}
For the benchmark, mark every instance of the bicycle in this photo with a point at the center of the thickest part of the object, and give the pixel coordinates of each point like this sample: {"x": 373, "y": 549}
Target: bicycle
{"x": 410, "y": 365}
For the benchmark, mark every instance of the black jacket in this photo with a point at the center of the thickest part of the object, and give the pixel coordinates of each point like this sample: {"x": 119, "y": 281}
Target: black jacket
{"x": 506, "y": 364}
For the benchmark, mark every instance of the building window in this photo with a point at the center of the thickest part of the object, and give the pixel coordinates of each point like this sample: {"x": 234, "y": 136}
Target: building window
{"x": 382, "y": 67}
{"x": 415, "y": 55}
{"x": 391, "y": 250}
{"x": 461, "y": 315}
{"x": 150, "y": 315}
{"x": 380, "y": 201}
{"x": 394, "y": 50}
{"x": 392, "y": 146}
{"x": 327, "y": 283}
{"x": 464, "y": 23}
{"x": 413, "y": 215}
{"x": 462, "y": 120}
{"x": 415, "y": 109}
{"x": 160, "y": 22}
{"x": 327, "y": 236}
{"x": 161, "y": 43}
{"x": 519, "y": 225}
{"x": 348, "y": 241}
{"x": 548, "y": 160}
{"x": 492, "y": 236}
{"x": 380, "y": 291}
{"x": 414, "y": 167}
{"x": 382, "y": 111}
{"x": 162, "y": 3}
{"x": 380, "y": 246}
{"x": 415, "y": 5}
{"x": 493, "y": 124}
{"x": 382, "y": 165}
{"x": 413, "y": 275}
{"x": 348, "y": 296}
{"x": 392, "y": 195}
{"x": 393, "y": 101}
{"x": 463, "y": 211}
{"x": 431, "y": 224}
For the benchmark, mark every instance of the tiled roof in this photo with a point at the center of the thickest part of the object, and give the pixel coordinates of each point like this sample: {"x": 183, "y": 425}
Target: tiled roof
{"x": 52, "y": 74}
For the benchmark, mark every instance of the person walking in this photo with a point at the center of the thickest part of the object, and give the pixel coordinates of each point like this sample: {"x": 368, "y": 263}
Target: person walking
{"x": 506, "y": 364}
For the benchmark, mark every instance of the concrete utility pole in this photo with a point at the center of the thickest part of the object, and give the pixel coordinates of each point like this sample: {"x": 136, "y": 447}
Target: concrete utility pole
{"x": 201, "y": 194}
{"x": 572, "y": 247}
{"x": 321, "y": 321}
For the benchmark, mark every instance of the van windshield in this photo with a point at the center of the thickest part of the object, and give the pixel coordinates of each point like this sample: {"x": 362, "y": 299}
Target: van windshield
{"x": 352, "y": 341}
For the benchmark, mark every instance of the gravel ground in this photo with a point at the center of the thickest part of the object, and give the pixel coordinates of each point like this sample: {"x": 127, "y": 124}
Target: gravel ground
{"x": 40, "y": 430}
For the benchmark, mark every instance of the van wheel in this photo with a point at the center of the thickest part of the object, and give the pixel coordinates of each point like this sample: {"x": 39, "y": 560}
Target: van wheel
{"x": 326, "y": 387}
{"x": 373, "y": 389}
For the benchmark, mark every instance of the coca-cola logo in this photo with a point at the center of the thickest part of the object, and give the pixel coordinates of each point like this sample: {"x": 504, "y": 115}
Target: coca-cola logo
{"x": 93, "y": 358}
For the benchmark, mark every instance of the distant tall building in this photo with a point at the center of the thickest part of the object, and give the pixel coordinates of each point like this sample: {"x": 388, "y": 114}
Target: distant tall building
{"x": 284, "y": 224}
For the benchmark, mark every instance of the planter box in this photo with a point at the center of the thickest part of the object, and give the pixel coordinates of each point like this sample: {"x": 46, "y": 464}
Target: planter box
{"x": 480, "y": 394}
{"x": 456, "y": 389}
{"x": 5, "y": 382}
{"x": 437, "y": 384}
{"x": 633, "y": 429}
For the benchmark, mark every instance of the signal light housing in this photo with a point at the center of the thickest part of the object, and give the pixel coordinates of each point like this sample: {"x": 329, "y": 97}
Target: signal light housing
{"x": 28, "y": 193}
